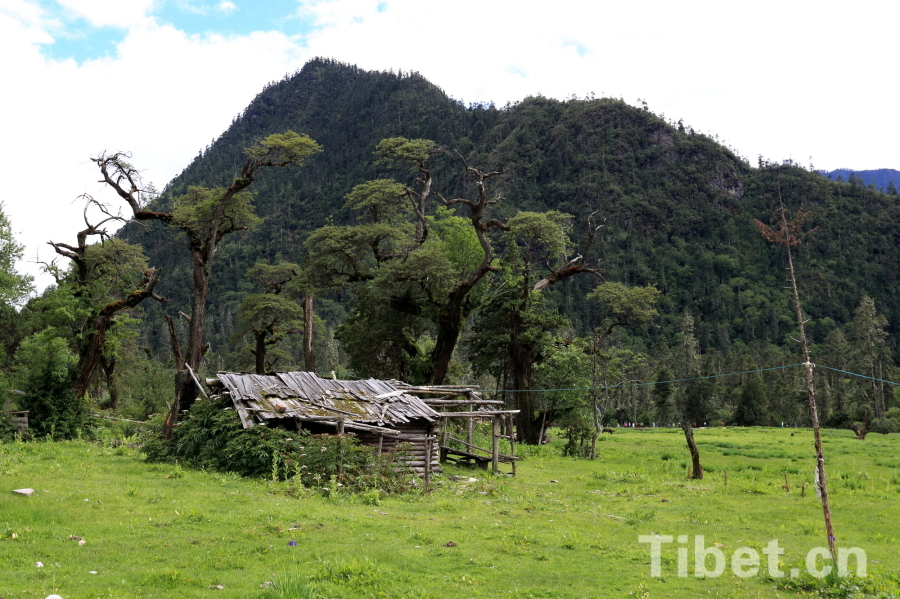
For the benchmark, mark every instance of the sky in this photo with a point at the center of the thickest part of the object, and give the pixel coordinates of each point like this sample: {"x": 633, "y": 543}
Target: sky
{"x": 814, "y": 82}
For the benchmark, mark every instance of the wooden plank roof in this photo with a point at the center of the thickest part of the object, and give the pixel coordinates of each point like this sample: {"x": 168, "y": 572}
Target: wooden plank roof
{"x": 303, "y": 395}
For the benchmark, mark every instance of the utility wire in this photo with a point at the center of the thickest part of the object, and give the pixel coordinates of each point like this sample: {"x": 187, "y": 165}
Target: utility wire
{"x": 862, "y": 376}
{"x": 698, "y": 378}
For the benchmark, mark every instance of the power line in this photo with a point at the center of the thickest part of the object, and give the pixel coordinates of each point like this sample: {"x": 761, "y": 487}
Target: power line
{"x": 862, "y": 376}
{"x": 603, "y": 387}
{"x": 698, "y": 378}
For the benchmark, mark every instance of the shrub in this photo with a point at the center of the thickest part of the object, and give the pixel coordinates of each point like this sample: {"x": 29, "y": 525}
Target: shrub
{"x": 212, "y": 437}
{"x": 47, "y": 375}
{"x": 885, "y": 425}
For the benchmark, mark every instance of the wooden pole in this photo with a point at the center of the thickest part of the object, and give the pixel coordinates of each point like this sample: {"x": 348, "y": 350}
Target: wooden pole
{"x": 428, "y": 441}
{"x": 495, "y": 454}
{"x": 340, "y": 433}
{"x": 380, "y": 443}
{"x": 512, "y": 442}
{"x": 470, "y": 425}
{"x": 787, "y": 237}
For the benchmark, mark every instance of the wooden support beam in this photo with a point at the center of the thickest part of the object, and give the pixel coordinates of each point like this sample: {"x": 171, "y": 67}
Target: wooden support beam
{"x": 478, "y": 414}
{"x": 512, "y": 441}
{"x": 495, "y": 454}
{"x": 389, "y": 432}
{"x": 462, "y": 402}
{"x": 429, "y": 441}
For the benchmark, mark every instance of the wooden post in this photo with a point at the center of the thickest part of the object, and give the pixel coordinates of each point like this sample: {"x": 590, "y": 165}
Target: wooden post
{"x": 495, "y": 453}
{"x": 445, "y": 424}
{"x": 512, "y": 441}
{"x": 380, "y": 443}
{"x": 726, "y": 478}
{"x": 340, "y": 436}
{"x": 428, "y": 442}
{"x": 470, "y": 424}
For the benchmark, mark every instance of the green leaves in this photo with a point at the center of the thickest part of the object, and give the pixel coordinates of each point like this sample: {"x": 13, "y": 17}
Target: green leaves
{"x": 261, "y": 310}
{"x": 13, "y": 286}
{"x": 381, "y": 200}
{"x": 194, "y": 211}
{"x": 541, "y": 234}
{"x": 282, "y": 149}
{"x": 631, "y": 304}
{"x": 417, "y": 151}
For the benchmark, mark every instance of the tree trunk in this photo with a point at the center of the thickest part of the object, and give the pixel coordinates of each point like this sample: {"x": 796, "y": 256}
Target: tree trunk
{"x": 449, "y": 325}
{"x": 93, "y": 352}
{"x": 696, "y": 467}
{"x": 185, "y": 389}
{"x": 109, "y": 369}
{"x": 260, "y": 351}
{"x": 309, "y": 357}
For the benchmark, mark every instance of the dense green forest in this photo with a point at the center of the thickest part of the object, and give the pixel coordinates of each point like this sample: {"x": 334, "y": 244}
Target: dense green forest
{"x": 675, "y": 281}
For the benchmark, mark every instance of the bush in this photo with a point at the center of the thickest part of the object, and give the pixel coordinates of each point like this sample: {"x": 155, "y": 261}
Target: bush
{"x": 213, "y": 437}
{"x": 47, "y": 374}
{"x": 885, "y": 426}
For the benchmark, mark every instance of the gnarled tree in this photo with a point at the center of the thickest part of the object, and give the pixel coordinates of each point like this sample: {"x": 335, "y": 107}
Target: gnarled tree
{"x": 204, "y": 216}
{"x": 104, "y": 285}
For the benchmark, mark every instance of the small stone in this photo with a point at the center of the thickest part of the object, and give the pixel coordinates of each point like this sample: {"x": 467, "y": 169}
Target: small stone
{"x": 53, "y": 597}
{"x": 81, "y": 543}
{"x": 92, "y": 572}
{"x": 554, "y": 481}
{"x": 217, "y": 587}
{"x": 450, "y": 544}
{"x": 25, "y": 492}
{"x": 14, "y": 535}
{"x": 266, "y": 584}
{"x": 87, "y": 500}
{"x": 38, "y": 565}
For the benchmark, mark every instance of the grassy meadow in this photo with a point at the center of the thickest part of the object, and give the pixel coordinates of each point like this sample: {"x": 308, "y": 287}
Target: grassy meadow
{"x": 562, "y": 528}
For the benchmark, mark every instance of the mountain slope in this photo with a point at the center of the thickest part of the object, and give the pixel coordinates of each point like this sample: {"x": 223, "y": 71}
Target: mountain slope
{"x": 678, "y": 206}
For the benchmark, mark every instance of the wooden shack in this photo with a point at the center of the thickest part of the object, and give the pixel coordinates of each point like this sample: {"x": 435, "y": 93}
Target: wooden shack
{"x": 377, "y": 412}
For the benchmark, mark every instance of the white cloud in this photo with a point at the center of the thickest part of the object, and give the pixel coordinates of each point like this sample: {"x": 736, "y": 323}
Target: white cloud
{"x": 109, "y": 13}
{"x": 226, "y": 7}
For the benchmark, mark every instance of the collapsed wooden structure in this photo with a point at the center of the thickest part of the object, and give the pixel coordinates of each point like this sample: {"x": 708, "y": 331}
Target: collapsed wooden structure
{"x": 382, "y": 414}
{"x": 464, "y": 401}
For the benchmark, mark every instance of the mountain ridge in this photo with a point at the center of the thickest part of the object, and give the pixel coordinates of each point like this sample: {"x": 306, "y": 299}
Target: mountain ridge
{"x": 678, "y": 205}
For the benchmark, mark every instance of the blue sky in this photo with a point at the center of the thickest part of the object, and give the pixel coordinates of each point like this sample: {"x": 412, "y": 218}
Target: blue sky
{"x": 162, "y": 78}
{"x": 81, "y": 40}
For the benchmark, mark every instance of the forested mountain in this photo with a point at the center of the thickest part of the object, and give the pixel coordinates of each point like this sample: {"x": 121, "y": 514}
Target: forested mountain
{"x": 677, "y": 207}
{"x": 882, "y": 179}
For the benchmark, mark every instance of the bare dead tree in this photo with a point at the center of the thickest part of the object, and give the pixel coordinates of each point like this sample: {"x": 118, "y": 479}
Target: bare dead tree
{"x": 789, "y": 234}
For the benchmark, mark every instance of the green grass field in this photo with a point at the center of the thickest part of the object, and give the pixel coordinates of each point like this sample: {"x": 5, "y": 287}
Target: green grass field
{"x": 561, "y": 528}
